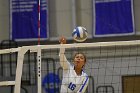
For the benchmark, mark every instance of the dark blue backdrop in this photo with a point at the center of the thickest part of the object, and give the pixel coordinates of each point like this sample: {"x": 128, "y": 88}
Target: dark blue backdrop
{"x": 113, "y": 17}
{"x": 25, "y": 19}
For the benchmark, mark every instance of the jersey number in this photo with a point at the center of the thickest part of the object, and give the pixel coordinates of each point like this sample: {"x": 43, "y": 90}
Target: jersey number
{"x": 72, "y": 86}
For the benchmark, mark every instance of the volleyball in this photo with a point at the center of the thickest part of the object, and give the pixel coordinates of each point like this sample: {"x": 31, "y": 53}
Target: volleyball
{"x": 80, "y": 34}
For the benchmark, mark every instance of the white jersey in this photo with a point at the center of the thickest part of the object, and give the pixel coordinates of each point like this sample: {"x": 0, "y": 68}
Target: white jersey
{"x": 72, "y": 83}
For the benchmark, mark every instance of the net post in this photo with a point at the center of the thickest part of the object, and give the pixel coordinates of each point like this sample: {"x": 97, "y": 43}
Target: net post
{"x": 19, "y": 68}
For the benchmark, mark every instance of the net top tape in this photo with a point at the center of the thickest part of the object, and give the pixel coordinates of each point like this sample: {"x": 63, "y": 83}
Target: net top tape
{"x": 74, "y": 45}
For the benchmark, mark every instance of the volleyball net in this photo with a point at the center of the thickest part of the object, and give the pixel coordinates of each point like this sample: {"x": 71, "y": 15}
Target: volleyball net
{"x": 112, "y": 67}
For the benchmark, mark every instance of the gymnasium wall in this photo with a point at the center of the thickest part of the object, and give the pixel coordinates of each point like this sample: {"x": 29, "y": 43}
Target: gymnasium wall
{"x": 4, "y": 19}
{"x": 61, "y": 17}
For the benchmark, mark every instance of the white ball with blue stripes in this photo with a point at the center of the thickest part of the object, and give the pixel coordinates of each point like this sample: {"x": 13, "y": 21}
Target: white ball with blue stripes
{"x": 80, "y": 34}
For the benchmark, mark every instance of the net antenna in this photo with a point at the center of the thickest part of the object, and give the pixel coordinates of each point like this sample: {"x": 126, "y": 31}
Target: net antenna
{"x": 38, "y": 48}
{"x": 39, "y": 7}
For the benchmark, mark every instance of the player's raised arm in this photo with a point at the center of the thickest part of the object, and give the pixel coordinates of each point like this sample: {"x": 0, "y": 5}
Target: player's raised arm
{"x": 63, "y": 60}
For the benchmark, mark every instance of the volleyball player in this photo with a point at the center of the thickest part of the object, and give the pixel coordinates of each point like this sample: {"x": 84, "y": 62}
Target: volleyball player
{"x": 75, "y": 80}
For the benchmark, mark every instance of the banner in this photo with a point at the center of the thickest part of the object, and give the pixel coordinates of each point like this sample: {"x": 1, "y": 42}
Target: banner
{"x": 113, "y": 18}
{"x": 24, "y": 19}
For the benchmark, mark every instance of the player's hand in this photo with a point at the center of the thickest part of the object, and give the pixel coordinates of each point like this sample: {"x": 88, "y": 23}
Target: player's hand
{"x": 62, "y": 40}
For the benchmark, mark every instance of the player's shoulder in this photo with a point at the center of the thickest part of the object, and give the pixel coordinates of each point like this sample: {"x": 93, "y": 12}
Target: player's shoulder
{"x": 84, "y": 73}
{"x": 71, "y": 67}
{"x": 86, "y": 77}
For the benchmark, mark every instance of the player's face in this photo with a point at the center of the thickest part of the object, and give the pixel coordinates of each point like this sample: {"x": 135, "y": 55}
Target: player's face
{"x": 79, "y": 60}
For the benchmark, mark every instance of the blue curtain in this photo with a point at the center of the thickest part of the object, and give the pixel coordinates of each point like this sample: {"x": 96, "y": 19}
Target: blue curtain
{"x": 113, "y": 17}
{"x": 25, "y": 19}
